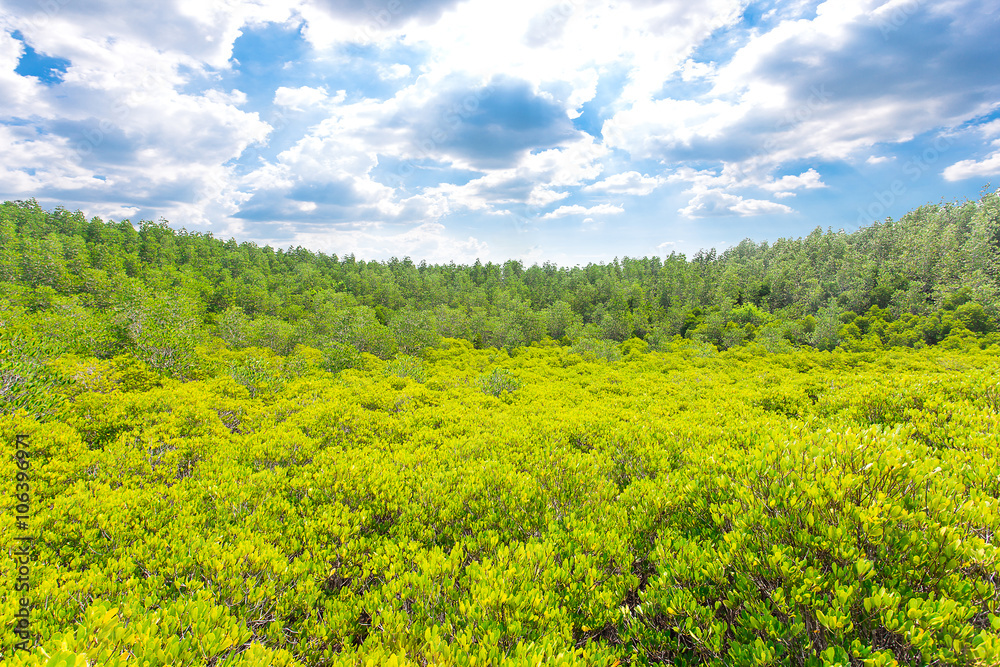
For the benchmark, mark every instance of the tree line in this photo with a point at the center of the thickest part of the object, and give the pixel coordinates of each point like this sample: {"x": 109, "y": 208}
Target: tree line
{"x": 103, "y": 288}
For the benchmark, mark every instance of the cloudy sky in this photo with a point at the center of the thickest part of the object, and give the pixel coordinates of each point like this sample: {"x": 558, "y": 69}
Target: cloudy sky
{"x": 573, "y": 131}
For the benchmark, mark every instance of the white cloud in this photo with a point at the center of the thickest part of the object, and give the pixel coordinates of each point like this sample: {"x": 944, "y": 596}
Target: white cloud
{"x": 22, "y": 96}
{"x": 808, "y": 180}
{"x": 428, "y": 241}
{"x": 713, "y": 203}
{"x": 576, "y": 209}
{"x": 543, "y": 196}
{"x": 147, "y": 120}
{"x": 972, "y": 168}
{"x": 692, "y": 70}
{"x": 572, "y": 164}
{"x": 533, "y": 181}
{"x": 126, "y": 124}
{"x": 114, "y": 212}
{"x": 990, "y": 129}
{"x": 650, "y": 127}
{"x": 628, "y": 182}
{"x": 303, "y": 97}
{"x": 701, "y": 179}
{"x": 553, "y": 45}
{"x": 394, "y": 71}
{"x": 194, "y": 32}
{"x": 811, "y": 90}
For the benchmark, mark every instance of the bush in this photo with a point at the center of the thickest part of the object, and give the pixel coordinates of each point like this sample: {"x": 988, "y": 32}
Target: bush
{"x": 498, "y": 382}
{"x": 406, "y": 366}
{"x": 259, "y": 371}
{"x": 592, "y": 349}
{"x": 340, "y": 356}
{"x": 27, "y": 381}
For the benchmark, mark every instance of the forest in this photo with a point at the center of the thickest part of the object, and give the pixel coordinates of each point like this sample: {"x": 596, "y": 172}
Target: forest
{"x": 100, "y": 288}
{"x": 225, "y": 454}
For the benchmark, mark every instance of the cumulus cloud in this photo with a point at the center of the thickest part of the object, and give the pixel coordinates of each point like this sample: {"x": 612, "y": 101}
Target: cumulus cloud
{"x": 543, "y": 196}
{"x": 963, "y": 169}
{"x": 22, "y": 96}
{"x": 394, "y": 71}
{"x": 990, "y": 130}
{"x": 693, "y": 70}
{"x": 712, "y": 191}
{"x": 628, "y": 182}
{"x": 428, "y": 241}
{"x": 124, "y": 131}
{"x": 576, "y": 209}
{"x": 826, "y": 88}
{"x": 196, "y": 33}
{"x": 808, "y": 180}
{"x": 384, "y": 115}
{"x": 536, "y": 181}
{"x": 304, "y": 97}
{"x": 549, "y": 25}
{"x": 385, "y": 14}
{"x": 484, "y": 126}
{"x": 714, "y": 203}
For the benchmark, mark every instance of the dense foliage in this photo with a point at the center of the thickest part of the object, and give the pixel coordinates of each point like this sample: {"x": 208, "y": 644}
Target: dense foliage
{"x": 783, "y": 454}
{"x": 465, "y": 506}
{"x": 98, "y": 288}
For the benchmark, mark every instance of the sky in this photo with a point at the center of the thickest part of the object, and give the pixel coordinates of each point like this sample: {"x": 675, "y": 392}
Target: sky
{"x": 449, "y": 130}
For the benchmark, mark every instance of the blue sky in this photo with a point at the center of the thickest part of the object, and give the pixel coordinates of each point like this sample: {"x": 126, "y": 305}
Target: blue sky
{"x": 450, "y": 130}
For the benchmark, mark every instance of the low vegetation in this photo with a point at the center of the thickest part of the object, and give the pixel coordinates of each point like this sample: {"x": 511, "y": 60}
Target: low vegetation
{"x": 241, "y": 456}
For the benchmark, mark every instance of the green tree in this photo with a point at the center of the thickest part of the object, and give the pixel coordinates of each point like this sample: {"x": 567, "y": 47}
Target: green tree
{"x": 413, "y": 331}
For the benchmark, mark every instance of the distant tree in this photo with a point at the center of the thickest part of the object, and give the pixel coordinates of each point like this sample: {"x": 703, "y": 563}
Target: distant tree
{"x": 413, "y": 331}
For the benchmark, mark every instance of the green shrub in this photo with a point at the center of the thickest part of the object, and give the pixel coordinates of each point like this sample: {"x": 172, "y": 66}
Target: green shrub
{"x": 497, "y": 382}
{"x": 405, "y": 365}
